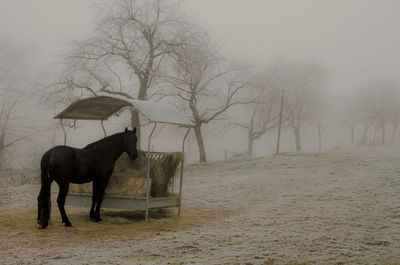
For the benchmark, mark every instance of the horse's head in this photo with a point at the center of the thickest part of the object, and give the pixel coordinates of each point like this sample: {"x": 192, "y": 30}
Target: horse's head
{"x": 129, "y": 143}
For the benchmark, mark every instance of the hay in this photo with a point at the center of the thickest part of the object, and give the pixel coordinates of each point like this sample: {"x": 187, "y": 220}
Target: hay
{"x": 129, "y": 177}
{"x": 124, "y": 163}
{"x": 163, "y": 171}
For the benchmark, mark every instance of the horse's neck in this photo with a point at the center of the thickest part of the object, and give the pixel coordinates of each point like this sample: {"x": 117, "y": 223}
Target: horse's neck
{"x": 107, "y": 148}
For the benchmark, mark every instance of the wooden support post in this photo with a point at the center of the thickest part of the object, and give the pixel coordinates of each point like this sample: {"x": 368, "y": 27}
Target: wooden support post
{"x": 181, "y": 177}
{"x": 104, "y": 130}
{"x": 280, "y": 123}
{"x": 148, "y": 174}
{"x": 65, "y": 134}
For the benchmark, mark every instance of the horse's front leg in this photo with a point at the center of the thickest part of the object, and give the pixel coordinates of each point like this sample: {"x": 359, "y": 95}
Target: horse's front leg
{"x": 94, "y": 200}
{"x": 99, "y": 199}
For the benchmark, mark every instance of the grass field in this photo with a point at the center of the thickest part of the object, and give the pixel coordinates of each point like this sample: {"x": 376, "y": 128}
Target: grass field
{"x": 336, "y": 207}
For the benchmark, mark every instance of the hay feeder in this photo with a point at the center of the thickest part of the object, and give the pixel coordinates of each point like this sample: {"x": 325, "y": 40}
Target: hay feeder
{"x": 101, "y": 108}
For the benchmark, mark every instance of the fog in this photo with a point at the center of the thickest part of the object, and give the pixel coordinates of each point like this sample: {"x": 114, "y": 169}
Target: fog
{"x": 292, "y": 156}
{"x": 355, "y": 42}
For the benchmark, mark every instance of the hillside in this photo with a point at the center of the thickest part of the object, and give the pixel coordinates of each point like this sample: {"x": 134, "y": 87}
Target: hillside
{"x": 337, "y": 207}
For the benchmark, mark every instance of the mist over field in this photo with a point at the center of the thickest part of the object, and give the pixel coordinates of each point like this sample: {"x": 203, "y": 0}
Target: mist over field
{"x": 316, "y": 82}
{"x": 356, "y": 52}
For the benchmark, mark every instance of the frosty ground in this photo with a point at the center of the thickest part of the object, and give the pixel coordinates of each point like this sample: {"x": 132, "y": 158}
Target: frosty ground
{"x": 336, "y": 207}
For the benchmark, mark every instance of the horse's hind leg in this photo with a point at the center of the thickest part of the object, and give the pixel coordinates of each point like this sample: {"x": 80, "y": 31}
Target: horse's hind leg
{"x": 39, "y": 211}
{"x": 94, "y": 200}
{"x": 44, "y": 202}
{"x": 61, "y": 202}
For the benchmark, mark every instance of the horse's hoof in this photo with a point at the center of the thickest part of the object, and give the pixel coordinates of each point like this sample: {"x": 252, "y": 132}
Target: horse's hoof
{"x": 92, "y": 217}
{"x": 95, "y": 217}
{"x": 68, "y": 224}
{"x": 40, "y": 226}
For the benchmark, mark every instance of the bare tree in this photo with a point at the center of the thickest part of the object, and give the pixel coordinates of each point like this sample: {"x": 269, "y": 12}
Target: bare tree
{"x": 348, "y": 116}
{"x": 394, "y": 113}
{"x": 304, "y": 94}
{"x": 204, "y": 85}
{"x": 365, "y": 111}
{"x": 7, "y": 105}
{"x": 377, "y": 107}
{"x": 262, "y": 114}
{"x": 319, "y": 120}
{"x": 13, "y": 92}
{"x": 132, "y": 42}
{"x": 389, "y": 108}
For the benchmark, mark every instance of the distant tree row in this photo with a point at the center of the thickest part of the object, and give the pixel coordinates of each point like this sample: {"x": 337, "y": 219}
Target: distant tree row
{"x": 375, "y": 108}
{"x": 297, "y": 86}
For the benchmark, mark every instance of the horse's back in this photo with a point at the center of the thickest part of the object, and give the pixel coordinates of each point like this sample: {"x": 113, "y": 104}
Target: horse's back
{"x": 59, "y": 160}
{"x": 76, "y": 165}
{"x": 52, "y": 154}
{"x": 61, "y": 153}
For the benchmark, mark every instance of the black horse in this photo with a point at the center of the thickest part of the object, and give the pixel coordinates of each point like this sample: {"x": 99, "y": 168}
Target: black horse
{"x": 95, "y": 163}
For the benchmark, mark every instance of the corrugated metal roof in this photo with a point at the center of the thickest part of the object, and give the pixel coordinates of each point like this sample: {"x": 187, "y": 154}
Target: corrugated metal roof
{"x": 102, "y": 107}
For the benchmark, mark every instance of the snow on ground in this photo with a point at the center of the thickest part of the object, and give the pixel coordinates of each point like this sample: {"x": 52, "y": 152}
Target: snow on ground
{"x": 338, "y": 207}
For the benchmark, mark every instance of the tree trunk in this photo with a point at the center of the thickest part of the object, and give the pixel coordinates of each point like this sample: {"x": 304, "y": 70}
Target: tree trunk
{"x": 143, "y": 87}
{"x": 394, "y": 133}
{"x": 200, "y": 142}
{"x": 250, "y": 144}
{"x": 142, "y": 93}
{"x": 365, "y": 134}
{"x": 352, "y": 135}
{"x": 296, "y": 132}
{"x": 135, "y": 122}
{"x": 250, "y": 134}
{"x": 2, "y": 136}
{"x": 319, "y": 138}
{"x": 374, "y": 136}
{"x": 1, "y": 159}
{"x": 383, "y": 133}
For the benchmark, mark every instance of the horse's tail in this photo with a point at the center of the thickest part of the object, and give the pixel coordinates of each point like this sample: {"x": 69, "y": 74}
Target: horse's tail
{"x": 44, "y": 200}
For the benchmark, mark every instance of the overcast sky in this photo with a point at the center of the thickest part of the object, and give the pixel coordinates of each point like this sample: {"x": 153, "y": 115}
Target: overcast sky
{"x": 357, "y": 40}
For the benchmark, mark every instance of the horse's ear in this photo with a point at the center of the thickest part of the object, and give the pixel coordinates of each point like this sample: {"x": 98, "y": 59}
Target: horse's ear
{"x": 126, "y": 129}
{"x": 134, "y": 130}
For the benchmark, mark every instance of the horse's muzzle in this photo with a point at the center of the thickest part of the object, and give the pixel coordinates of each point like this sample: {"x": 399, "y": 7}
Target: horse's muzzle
{"x": 133, "y": 157}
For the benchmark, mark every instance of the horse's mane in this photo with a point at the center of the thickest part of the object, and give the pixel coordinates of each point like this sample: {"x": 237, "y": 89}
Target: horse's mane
{"x": 104, "y": 141}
